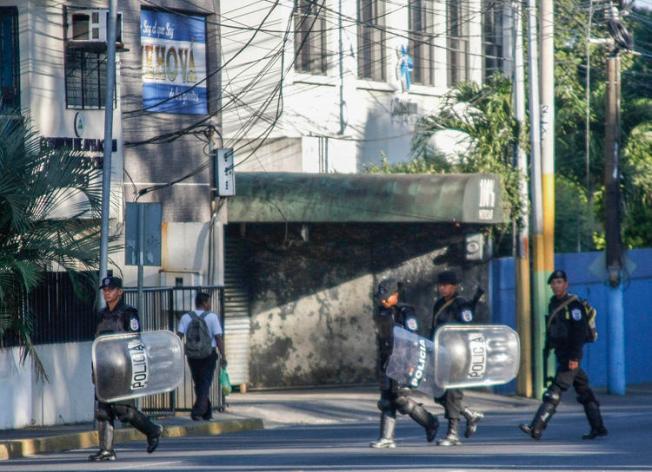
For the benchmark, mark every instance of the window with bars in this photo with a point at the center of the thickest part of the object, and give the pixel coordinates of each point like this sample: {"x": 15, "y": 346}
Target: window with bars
{"x": 458, "y": 42}
{"x": 310, "y": 37}
{"x": 422, "y": 41}
{"x": 371, "y": 40}
{"x": 85, "y": 78}
{"x": 492, "y": 37}
{"x": 9, "y": 60}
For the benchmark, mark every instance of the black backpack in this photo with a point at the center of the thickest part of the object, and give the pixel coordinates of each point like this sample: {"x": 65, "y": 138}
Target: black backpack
{"x": 199, "y": 342}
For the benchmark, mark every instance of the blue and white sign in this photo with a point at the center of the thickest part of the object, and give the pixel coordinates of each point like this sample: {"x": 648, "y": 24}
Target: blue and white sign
{"x": 174, "y": 62}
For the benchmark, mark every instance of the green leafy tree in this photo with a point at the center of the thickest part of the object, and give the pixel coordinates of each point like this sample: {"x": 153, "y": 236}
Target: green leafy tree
{"x": 579, "y": 177}
{"x": 486, "y": 118}
{"x": 36, "y": 183}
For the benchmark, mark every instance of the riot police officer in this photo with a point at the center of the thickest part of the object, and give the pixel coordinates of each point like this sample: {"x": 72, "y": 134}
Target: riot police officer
{"x": 388, "y": 312}
{"x": 567, "y": 329}
{"x": 450, "y": 307}
{"x": 118, "y": 317}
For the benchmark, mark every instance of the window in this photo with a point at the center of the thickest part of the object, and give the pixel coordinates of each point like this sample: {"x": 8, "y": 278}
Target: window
{"x": 458, "y": 42}
{"x": 9, "y": 54}
{"x": 310, "y": 37}
{"x": 85, "y": 78}
{"x": 422, "y": 41}
{"x": 492, "y": 37}
{"x": 371, "y": 40}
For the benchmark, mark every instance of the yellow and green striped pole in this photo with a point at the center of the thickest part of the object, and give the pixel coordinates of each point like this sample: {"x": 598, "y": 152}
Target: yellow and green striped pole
{"x": 548, "y": 148}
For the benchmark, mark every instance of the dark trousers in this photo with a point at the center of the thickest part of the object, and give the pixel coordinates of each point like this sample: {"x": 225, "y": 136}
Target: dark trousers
{"x": 203, "y": 371}
{"x": 451, "y": 400}
{"x": 576, "y": 378}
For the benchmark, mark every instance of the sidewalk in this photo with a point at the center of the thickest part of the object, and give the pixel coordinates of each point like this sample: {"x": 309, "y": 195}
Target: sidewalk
{"x": 48, "y": 439}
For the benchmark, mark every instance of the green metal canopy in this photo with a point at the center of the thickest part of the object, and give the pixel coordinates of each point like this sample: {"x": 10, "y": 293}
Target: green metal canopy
{"x": 273, "y": 197}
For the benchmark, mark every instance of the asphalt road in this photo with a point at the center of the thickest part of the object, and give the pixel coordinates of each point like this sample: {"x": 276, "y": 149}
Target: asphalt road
{"x": 340, "y": 442}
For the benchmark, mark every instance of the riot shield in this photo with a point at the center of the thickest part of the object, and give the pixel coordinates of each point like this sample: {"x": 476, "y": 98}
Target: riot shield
{"x": 411, "y": 364}
{"x": 460, "y": 356}
{"x": 132, "y": 365}
{"x": 475, "y": 355}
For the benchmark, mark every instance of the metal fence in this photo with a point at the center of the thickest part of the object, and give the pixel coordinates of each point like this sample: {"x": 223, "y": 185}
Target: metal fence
{"x": 161, "y": 309}
{"x": 65, "y": 312}
{"x": 59, "y": 310}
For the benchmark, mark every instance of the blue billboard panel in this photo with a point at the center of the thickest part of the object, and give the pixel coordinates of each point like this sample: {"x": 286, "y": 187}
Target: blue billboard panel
{"x": 174, "y": 62}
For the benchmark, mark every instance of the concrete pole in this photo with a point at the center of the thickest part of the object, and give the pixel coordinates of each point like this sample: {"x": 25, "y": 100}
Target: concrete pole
{"x": 523, "y": 294}
{"x": 108, "y": 147}
{"x": 548, "y": 139}
{"x": 548, "y": 129}
{"x": 340, "y": 32}
{"x": 616, "y": 320}
{"x": 538, "y": 278}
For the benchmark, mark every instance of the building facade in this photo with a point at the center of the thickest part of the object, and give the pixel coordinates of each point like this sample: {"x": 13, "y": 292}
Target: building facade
{"x": 293, "y": 86}
{"x": 347, "y": 87}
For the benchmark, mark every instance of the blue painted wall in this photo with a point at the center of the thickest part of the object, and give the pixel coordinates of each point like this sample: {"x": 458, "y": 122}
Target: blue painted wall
{"x": 587, "y": 279}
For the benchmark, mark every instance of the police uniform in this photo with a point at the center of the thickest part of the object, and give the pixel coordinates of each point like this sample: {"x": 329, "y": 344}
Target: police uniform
{"x": 393, "y": 398}
{"x": 453, "y": 310}
{"x": 567, "y": 328}
{"x": 122, "y": 319}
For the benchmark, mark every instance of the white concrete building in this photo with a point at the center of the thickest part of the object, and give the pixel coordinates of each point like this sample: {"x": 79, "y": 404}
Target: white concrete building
{"x": 333, "y": 87}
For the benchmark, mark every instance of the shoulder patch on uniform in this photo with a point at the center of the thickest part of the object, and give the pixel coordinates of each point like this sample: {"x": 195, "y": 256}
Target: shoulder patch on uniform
{"x": 467, "y": 315}
{"x": 133, "y": 324}
{"x": 411, "y": 324}
{"x": 577, "y": 314}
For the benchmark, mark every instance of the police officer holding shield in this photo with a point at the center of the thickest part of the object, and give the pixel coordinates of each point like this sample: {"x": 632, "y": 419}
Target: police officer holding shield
{"x": 387, "y": 313}
{"x": 450, "y": 307}
{"x": 118, "y": 317}
{"x": 567, "y": 329}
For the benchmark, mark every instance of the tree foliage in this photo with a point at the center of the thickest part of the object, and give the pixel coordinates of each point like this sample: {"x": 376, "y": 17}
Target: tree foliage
{"x": 579, "y": 175}
{"x": 36, "y": 184}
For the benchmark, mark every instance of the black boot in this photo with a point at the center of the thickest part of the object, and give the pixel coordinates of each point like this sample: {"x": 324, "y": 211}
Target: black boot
{"x": 427, "y": 420}
{"x": 452, "y": 438}
{"x": 540, "y": 420}
{"x": 472, "y": 419}
{"x": 592, "y": 411}
{"x": 106, "y": 452}
{"x": 209, "y": 412}
{"x": 386, "y": 439}
{"x": 146, "y": 426}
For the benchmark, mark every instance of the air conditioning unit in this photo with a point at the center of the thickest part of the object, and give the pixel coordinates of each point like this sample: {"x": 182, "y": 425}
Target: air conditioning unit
{"x": 90, "y": 26}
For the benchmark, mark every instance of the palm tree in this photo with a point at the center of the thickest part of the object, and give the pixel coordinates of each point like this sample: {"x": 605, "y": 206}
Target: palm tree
{"x": 49, "y": 213}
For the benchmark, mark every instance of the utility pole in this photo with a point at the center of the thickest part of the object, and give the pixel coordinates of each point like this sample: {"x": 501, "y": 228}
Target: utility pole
{"x": 341, "y": 66}
{"x": 548, "y": 129}
{"x": 616, "y": 320}
{"x": 548, "y": 138}
{"x": 538, "y": 277}
{"x": 523, "y": 294}
{"x": 108, "y": 143}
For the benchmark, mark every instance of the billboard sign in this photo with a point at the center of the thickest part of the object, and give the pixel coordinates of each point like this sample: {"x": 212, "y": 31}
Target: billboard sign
{"x": 174, "y": 63}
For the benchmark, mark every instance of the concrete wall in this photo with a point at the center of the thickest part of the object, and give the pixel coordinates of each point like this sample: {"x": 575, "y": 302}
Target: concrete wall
{"x": 587, "y": 279}
{"x": 311, "y": 300}
{"x": 67, "y": 396}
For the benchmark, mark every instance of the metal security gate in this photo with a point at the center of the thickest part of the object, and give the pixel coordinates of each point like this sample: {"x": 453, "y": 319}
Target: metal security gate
{"x": 236, "y": 303}
{"x": 162, "y": 309}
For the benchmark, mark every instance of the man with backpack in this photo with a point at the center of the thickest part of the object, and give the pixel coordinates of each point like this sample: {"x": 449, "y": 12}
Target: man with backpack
{"x": 203, "y": 333}
{"x": 570, "y": 323}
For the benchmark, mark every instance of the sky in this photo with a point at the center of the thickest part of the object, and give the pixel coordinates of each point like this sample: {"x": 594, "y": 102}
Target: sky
{"x": 644, "y": 4}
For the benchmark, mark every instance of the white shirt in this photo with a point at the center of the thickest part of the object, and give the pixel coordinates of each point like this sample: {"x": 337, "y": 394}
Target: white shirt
{"x": 212, "y": 321}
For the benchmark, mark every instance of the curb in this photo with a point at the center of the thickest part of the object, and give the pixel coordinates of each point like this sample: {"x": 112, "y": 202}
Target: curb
{"x": 86, "y": 439}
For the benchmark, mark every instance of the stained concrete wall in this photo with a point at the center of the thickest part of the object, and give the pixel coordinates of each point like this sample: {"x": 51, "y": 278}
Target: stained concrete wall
{"x": 311, "y": 300}
{"x": 66, "y": 397}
